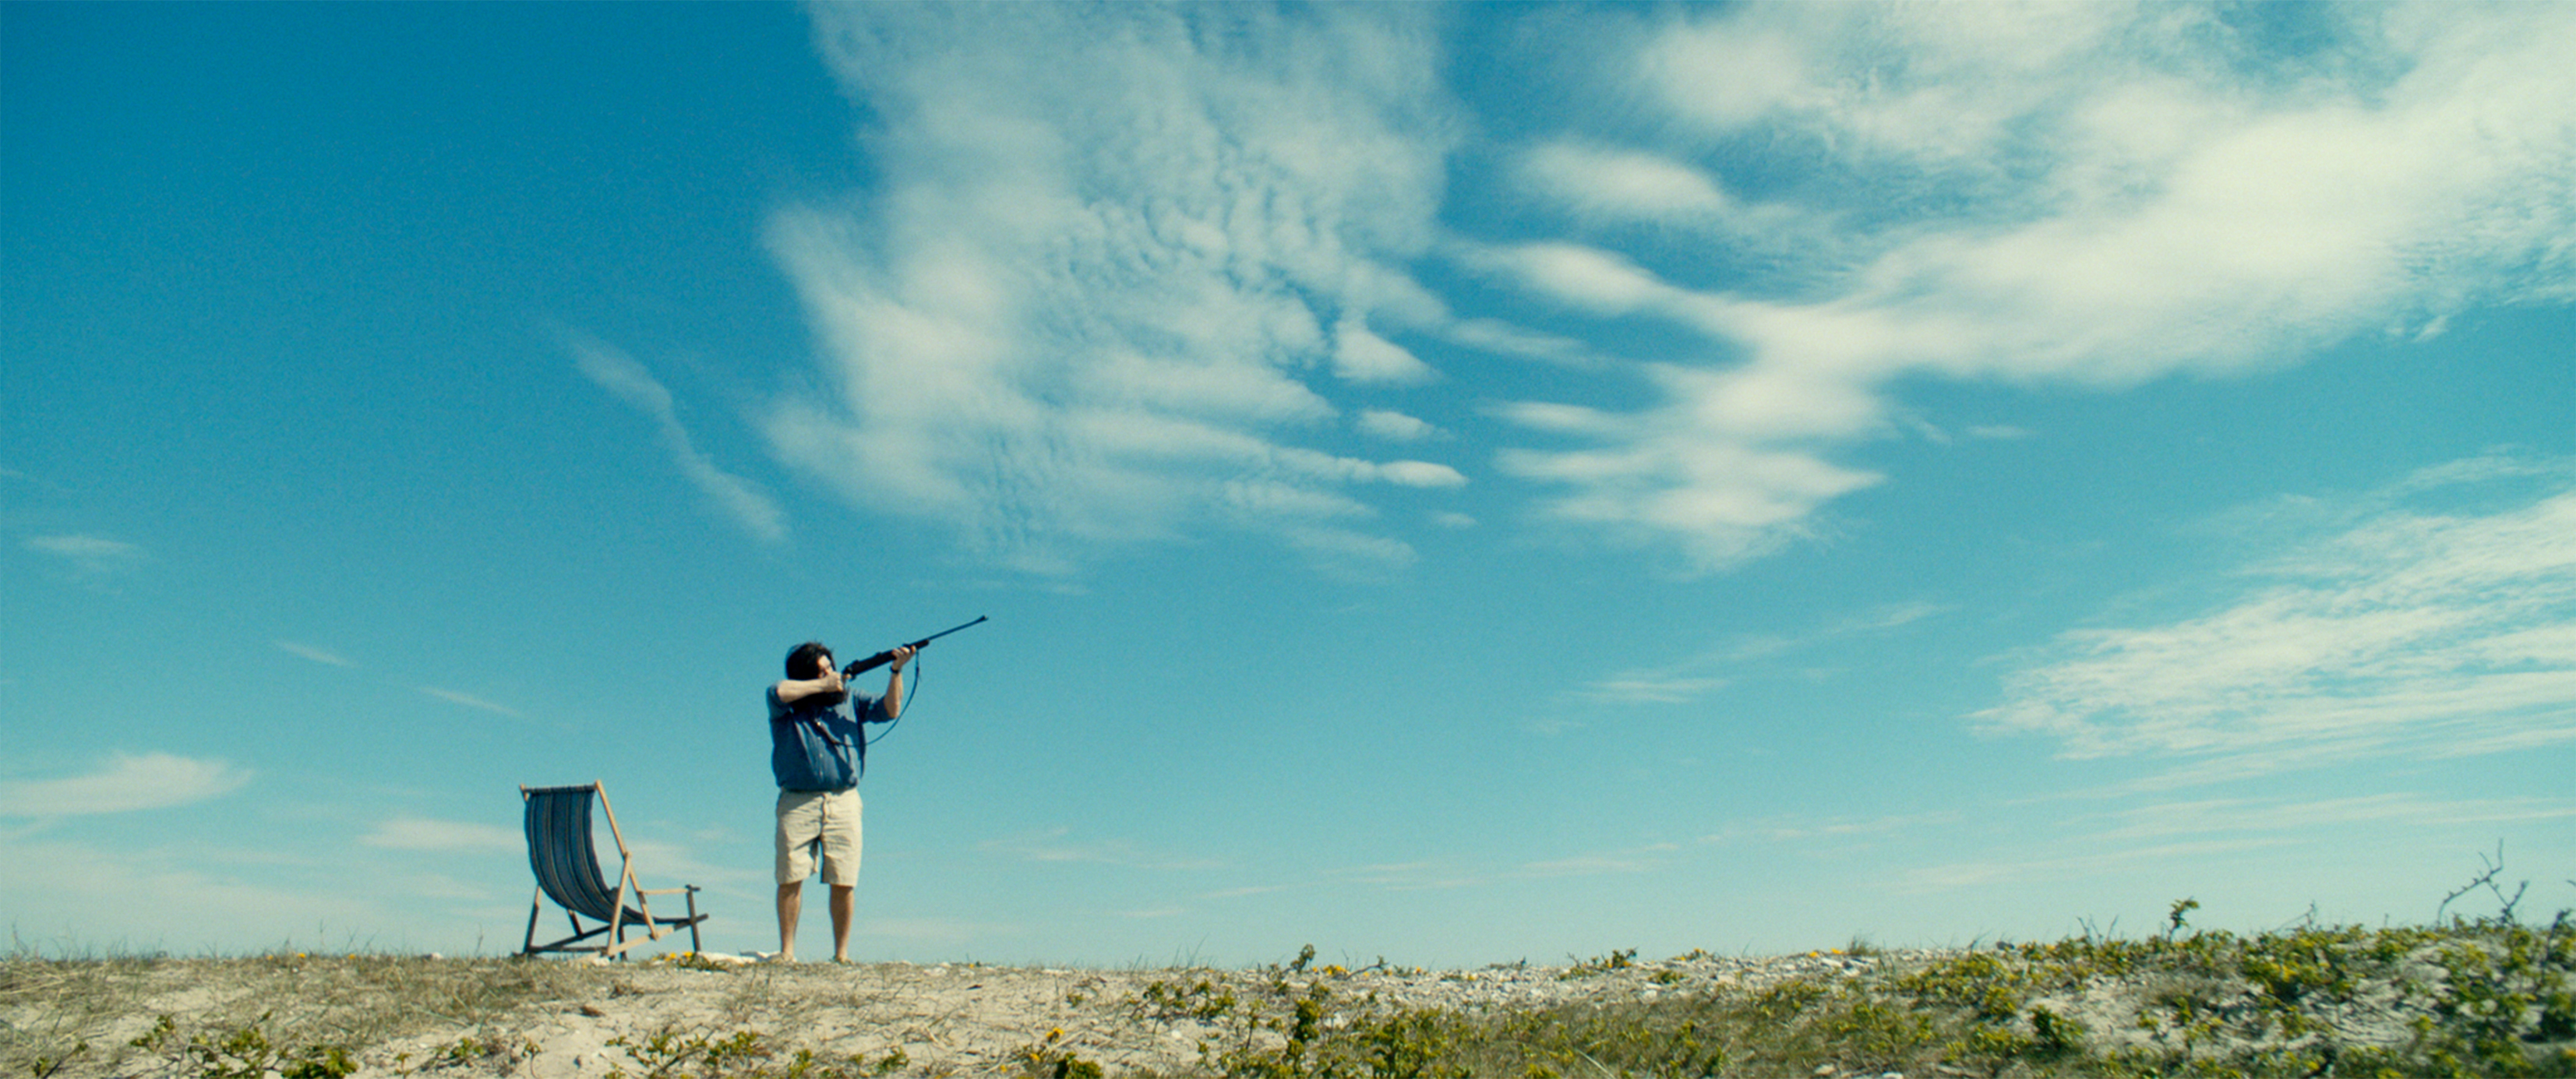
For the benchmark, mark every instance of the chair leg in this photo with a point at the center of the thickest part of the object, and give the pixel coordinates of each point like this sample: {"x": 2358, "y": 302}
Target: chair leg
{"x": 529, "y": 945}
{"x": 693, "y": 920}
{"x": 617, "y": 908}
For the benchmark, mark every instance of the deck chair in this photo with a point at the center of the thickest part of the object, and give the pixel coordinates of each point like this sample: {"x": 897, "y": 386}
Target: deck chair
{"x": 567, "y": 869}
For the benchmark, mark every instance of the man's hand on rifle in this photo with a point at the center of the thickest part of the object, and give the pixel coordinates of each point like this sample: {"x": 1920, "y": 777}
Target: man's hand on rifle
{"x": 893, "y": 702}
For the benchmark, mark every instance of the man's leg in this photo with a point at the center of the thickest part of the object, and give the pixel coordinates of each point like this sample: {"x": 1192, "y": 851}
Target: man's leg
{"x": 841, "y": 906}
{"x": 791, "y": 905}
{"x": 800, "y": 818}
{"x": 840, "y": 843}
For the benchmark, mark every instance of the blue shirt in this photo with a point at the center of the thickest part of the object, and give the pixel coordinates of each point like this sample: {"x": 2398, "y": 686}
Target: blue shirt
{"x": 815, "y": 746}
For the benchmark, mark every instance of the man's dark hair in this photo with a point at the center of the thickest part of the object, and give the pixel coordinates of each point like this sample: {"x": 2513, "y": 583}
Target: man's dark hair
{"x": 806, "y": 663}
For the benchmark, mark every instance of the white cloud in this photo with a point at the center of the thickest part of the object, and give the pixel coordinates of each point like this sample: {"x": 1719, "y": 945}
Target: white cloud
{"x": 2089, "y": 195}
{"x": 1362, "y": 356}
{"x": 1394, "y": 426}
{"x": 1421, "y": 474}
{"x": 126, "y": 784}
{"x": 1612, "y": 188}
{"x": 1713, "y": 668}
{"x": 91, "y": 557}
{"x": 2096, "y": 862}
{"x": 1497, "y": 336}
{"x": 1632, "y": 860}
{"x": 315, "y": 654}
{"x": 941, "y": 932}
{"x": 2404, "y": 630}
{"x": 83, "y": 548}
{"x": 1124, "y": 263}
{"x": 146, "y": 900}
{"x": 421, "y": 833}
{"x": 1051, "y": 846}
{"x": 1801, "y": 830}
{"x": 736, "y": 498}
{"x": 2222, "y": 815}
{"x": 470, "y": 701}
{"x": 1650, "y": 688}
{"x": 1409, "y": 876}
{"x": 1621, "y": 184}
{"x": 1112, "y": 250}
{"x": 1726, "y": 499}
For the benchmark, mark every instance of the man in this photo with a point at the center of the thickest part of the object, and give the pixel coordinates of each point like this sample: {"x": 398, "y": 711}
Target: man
{"x": 817, "y": 751}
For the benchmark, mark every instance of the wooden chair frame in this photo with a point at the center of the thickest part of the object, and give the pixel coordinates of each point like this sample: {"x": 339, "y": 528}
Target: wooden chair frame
{"x": 567, "y": 870}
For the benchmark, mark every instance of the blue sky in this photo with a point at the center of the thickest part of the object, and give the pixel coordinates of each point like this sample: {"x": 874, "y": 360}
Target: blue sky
{"x": 1455, "y": 484}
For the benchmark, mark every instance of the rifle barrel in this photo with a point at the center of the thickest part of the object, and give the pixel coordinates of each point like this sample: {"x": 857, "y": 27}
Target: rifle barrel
{"x": 882, "y": 658}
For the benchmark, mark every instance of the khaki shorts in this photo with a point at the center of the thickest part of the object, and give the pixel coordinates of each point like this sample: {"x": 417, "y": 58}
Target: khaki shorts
{"x": 818, "y": 821}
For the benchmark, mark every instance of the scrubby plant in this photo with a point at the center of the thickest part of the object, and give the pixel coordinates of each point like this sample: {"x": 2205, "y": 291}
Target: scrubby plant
{"x": 1052, "y": 1058}
{"x": 241, "y": 1052}
{"x": 2485, "y": 999}
{"x": 1618, "y": 959}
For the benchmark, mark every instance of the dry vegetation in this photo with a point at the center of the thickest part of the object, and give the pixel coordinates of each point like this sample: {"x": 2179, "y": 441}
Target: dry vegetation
{"x": 2489, "y": 997}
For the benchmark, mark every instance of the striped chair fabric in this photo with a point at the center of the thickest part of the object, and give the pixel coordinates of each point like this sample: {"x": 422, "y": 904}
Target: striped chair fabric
{"x": 567, "y": 870}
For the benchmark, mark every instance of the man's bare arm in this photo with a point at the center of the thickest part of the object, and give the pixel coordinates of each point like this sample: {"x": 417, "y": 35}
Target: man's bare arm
{"x": 792, "y": 690}
{"x": 894, "y": 684}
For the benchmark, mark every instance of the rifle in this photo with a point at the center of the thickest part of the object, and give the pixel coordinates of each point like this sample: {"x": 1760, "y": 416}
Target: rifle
{"x": 880, "y": 659}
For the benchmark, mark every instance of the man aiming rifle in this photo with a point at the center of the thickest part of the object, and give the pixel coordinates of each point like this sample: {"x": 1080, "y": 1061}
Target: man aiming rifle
{"x": 818, "y": 749}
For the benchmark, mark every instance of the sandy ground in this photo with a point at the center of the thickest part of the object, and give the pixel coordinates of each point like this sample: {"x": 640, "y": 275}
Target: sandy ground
{"x": 953, "y": 1019}
{"x": 662, "y": 1018}
{"x": 971, "y": 1019}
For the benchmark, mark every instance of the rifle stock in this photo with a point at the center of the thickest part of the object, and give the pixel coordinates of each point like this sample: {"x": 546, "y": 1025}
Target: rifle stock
{"x": 858, "y": 667}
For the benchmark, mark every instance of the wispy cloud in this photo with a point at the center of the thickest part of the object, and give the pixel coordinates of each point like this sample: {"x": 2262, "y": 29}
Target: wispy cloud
{"x": 945, "y": 932}
{"x": 2091, "y": 196}
{"x": 1131, "y": 269}
{"x": 149, "y": 899}
{"x": 1994, "y": 872}
{"x": 471, "y": 701}
{"x": 2403, "y": 629}
{"x": 1126, "y": 268}
{"x": 2158, "y": 836}
{"x": 1648, "y": 687}
{"x": 1643, "y": 859}
{"x": 125, "y": 784}
{"x": 1447, "y": 874}
{"x": 738, "y": 499}
{"x": 1052, "y": 846}
{"x": 1409, "y": 876}
{"x": 1395, "y": 426}
{"x": 315, "y": 654}
{"x": 91, "y": 557}
{"x": 2238, "y": 815}
{"x": 1804, "y": 829}
{"x": 424, "y": 834}
{"x": 1713, "y": 669}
